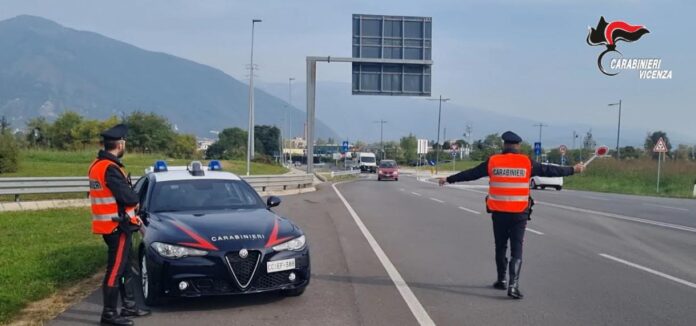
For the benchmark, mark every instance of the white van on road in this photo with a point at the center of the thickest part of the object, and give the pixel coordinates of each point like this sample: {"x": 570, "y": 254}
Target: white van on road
{"x": 367, "y": 162}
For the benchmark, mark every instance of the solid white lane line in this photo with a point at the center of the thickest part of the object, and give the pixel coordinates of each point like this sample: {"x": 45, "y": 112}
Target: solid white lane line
{"x": 665, "y": 206}
{"x": 437, "y": 200}
{"x": 469, "y": 210}
{"x": 416, "y": 308}
{"x": 402, "y": 189}
{"x": 415, "y": 193}
{"x": 535, "y": 231}
{"x": 594, "y": 198}
{"x": 651, "y": 271}
{"x": 621, "y": 217}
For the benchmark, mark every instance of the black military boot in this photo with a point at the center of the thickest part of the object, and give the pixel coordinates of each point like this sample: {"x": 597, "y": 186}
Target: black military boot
{"x": 513, "y": 288}
{"x": 501, "y": 265}
{"x": 129, "y": 308}
{"x": 110, "y": 314}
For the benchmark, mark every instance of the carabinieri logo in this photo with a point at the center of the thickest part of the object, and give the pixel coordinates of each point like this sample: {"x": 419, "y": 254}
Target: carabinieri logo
{"x": 609, "y": 34}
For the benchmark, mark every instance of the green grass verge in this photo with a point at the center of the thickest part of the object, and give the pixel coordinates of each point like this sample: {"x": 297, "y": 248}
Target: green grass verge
{"x": 637, "y": 177}
{"x": 458, "y": 166}
{"x": 47, "y": 163}
{"x": 43, "y": 251}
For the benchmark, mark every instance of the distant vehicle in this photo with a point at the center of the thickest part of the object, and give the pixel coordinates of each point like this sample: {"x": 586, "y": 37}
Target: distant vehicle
{"x": 543, "y": 182}
{"x": 388, "y": 169}
{"x": 367, "y": 162}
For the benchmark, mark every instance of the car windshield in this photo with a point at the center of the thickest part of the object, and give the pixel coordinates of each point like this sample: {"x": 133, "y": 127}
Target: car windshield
{"x": 387, "y": 164}
{"x": 203, "y": 194}
{"x": 367, "y": 159}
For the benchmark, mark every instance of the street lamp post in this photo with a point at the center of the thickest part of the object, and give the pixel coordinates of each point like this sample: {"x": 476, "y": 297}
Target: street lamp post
{"x": 381, "y": 136}
{"x": 618, "y": 130}
{"x": 289, "y": 123}
{"x": 250, "y": 136}
{"x": 439, "y": 118}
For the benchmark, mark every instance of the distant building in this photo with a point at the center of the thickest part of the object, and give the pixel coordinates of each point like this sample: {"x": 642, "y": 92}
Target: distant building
{"x": 203, "y": 143}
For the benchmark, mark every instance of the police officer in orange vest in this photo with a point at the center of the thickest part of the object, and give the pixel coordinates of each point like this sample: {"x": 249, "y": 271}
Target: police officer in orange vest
{"x": 113, "y": 216}
{"x": 510, "y": 203}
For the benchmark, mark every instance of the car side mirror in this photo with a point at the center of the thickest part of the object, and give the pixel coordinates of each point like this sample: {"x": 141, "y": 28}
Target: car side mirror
{"x": 272, "y": 201}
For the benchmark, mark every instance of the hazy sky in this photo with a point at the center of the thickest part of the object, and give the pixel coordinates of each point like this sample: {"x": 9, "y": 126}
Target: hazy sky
{"x": 525, "y": 58}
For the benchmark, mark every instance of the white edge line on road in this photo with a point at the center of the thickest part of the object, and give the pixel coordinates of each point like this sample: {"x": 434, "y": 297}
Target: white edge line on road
{"x": 415, "y": 193}
{"x": 403, "y": 288}
{"x": 665, "y": 206}
{"x": 469, "y": 210}
{"x": 621, "y": 217}
{"x": 535, "y": 231}
{"x": 437, "y": 200}
{"x": 651, "y": 271}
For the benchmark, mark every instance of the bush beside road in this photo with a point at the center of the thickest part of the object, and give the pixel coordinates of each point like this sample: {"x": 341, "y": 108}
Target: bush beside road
{"x": 44, "y": 251}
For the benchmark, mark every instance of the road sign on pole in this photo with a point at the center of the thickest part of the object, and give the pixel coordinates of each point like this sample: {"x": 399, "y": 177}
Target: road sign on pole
{"x": 563, "y": 149}
{"x": 422, "y": 146}
{"x": 537, "y": 149}
{"x": 660, "y": 146}
{"x": 344, "y": 146}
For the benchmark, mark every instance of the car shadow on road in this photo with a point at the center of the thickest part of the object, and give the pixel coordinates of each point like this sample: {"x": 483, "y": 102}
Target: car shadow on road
{"x": 458, "y": 289}
{"x": 218, "y": 302}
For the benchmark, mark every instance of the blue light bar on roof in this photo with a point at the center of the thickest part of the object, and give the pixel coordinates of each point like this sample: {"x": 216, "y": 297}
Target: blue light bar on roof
{"x": 160, "y": 166}
{"x": 214, "y": 165}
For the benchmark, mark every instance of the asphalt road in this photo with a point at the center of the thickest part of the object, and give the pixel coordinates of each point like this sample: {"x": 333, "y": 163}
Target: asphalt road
{"x": 590, "y": 259}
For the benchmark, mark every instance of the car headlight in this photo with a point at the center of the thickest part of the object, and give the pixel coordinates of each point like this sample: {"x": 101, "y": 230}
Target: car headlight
{"x": 171, "y": 251}
{"x": 296, "y": 244}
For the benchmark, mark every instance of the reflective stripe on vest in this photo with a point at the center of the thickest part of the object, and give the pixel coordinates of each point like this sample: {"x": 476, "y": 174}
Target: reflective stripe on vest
{"x": 508, "y": 189}
{"x": 104, "y": 206}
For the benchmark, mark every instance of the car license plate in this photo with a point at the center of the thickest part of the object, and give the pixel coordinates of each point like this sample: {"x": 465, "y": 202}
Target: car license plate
{"x": 280, "y": 265}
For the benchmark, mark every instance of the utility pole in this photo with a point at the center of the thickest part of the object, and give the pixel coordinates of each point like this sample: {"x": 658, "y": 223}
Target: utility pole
{"x": 381, "y": 136}
{"x": 540, "y": 125}
{"x": 618, "y": 130}
{"x": 439, "y": 118}
{"x": 250, "y": 138}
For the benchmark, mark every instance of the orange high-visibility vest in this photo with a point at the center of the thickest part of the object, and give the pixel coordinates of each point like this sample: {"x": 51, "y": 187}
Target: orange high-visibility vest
{"x": 104, "y": 206}
{"x": 508, "y": 190}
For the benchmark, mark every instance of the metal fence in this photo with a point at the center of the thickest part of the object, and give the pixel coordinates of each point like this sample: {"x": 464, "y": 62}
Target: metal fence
{"x": 347, "y": 172}
{"x": 55, "y": 185}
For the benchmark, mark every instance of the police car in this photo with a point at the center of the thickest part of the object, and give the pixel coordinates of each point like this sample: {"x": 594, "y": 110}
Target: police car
{"x": 207, "y": 232}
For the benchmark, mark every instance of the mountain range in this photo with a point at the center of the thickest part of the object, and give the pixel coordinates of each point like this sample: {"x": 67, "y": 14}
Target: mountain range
{"x": 46, "y": 68}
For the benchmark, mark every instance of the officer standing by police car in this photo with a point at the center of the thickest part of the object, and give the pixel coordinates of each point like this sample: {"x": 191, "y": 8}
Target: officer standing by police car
{"x": 113, "y": 204}
{"x": 510, "y": 203}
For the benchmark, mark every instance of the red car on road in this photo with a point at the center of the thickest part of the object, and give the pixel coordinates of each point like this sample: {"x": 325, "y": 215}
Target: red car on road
{"x": 388, "y": 169}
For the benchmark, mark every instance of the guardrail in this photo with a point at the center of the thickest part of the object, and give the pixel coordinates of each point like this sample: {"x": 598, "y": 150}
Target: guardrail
{"x": 54, "y": 185}
{"x": 347, "y": 172}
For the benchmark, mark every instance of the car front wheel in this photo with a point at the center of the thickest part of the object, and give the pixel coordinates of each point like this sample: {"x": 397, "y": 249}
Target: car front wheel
{"x": 532, "y": 185}
{"x": 151, "y": 291}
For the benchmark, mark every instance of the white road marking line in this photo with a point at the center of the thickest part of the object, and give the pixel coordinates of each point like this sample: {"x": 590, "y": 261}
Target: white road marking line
{"x": 402, "y": 189}
{"x": 621, "y": 217}
{"x": 468, "y": 210}
{"x": 665, "y": 206}
{"x": 651, "y": 271}
{"x": 535, "y": 231}
{"x": 594, "y": 198}
{"x": 437, "y": 200}
{"x": 416, "y": 308}
{"x": 415, "y": 193}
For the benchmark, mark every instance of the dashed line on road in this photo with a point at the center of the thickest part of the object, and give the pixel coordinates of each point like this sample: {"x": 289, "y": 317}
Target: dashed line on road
{"x": 665, "y": 206}
{"x": 469, "y": 210}
{"x": 437, "y": 200}
{"x": 402, "y": 189}
{"x": 651, "y": 271}
{"x": 416, "y": 308}
{"x": 535, "y": 231}
{"x": 415, "y": 193}
{"x": 594, "y": 198}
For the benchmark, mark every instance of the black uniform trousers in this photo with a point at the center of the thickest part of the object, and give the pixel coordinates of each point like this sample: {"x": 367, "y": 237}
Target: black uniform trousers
{"x": 509, "y": 226}
{"x": 119, "y": 272}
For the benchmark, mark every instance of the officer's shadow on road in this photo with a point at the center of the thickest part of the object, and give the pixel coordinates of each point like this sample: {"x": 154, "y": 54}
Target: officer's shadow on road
{"x": 458, "y": 289}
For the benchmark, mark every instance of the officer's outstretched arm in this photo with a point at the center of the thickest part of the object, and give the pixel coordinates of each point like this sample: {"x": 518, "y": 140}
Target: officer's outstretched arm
{"x": 475, "y": 173}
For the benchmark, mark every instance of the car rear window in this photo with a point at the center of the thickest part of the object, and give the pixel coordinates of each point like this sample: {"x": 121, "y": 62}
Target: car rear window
{"x": 204, "y": 194}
